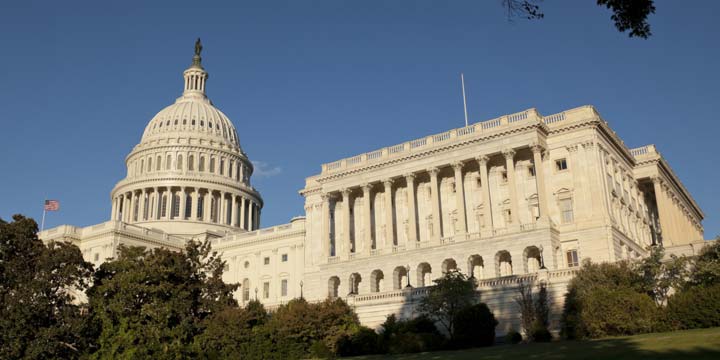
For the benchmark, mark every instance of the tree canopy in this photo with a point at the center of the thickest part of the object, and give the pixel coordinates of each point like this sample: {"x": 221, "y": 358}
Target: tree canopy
{"x": 452, "y": 293}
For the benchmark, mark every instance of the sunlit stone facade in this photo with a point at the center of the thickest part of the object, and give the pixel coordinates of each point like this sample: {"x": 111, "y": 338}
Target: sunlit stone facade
{"x": 518, "y": 198}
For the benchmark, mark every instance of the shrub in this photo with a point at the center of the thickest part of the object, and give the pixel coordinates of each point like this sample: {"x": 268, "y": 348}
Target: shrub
{"x": 364, "y": 342}
{"x": 475, "y": 326}
{"x": 540, "y": 333}
{"x": 613, "y": 312}
{"x": 696, "y": 307}
{"x": 513, "y": 337}
{"x": 407, "y": 336}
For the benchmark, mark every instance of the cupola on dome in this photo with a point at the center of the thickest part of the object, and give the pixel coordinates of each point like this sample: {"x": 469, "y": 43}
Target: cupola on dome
{"x": 192, "y": 114}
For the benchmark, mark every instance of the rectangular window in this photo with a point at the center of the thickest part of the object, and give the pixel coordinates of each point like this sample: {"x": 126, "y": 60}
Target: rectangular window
{"x": 163, "y": 207}
{"x": 200, "y": 204}
{"x": 266, "y": 261}
{"x": 284, "y": 257}
{"x": 283, "y": 287}
{"x": 175, "y": 206}
{"x": 188, "y": 207}
{"x": 266, "y": 290}
{"x": 561, "y": 164}
{"x": 566, "y": 211}
{"x": 572, "y": 258}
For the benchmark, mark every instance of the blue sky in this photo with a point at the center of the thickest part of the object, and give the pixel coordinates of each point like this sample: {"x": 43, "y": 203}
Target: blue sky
{"x": 309, "y": 82}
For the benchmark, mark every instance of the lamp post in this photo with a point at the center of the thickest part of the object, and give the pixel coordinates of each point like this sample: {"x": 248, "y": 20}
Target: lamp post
{"x": 407, "y": 274}
{"x": 301, "y": 289}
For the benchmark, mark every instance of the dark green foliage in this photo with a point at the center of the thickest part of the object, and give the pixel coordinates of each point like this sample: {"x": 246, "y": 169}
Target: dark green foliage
{"x": 706, "y": 269}
{"x": 364, "y": 342}
{"x": 513, "y": 337}
{"x": 451, "y": 293}
{"x": 151, "y": 304}
{"x": 38, "y": 316}
{"x": 475, "y": 327}
{"x": 696, "y": 307}
{"x": 659, "y": 275}
{"x": 409, "y": 336}
{"x": 540, "y": 333}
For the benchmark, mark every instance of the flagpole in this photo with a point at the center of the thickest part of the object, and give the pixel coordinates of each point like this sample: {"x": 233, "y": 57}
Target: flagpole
{"x": 462, "y": 80}
{"x": 42, "y": 223}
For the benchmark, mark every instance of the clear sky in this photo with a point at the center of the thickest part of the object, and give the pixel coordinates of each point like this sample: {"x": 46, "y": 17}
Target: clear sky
{"x": 309, "y": 82}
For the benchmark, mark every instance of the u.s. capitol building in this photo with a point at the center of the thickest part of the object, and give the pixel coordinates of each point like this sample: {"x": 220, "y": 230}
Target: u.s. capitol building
{"x": 523, "y": 197}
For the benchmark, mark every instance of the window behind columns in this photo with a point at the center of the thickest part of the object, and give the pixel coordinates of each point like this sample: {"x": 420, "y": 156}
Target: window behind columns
{"x": 200, "y": 205}
{"x": 175, "y": 206}
{"x": 188, "y": 206}
{"x": 163, "y": 206}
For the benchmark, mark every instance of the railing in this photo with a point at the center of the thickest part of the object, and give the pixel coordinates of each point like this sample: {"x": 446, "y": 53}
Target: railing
{"x": 334, "y": 165}
{"x": 418, "y": 143}
{"x": 396, "y": 149}
{"x": 374, "y": 155}
{"x": 441, "y": 137}
{"x": 554, "y": 118}
{"x": 517, "y": 117}
{"x": 354, "y": 160}
{"x": 643, "y": 150}
{"x": 490, "y": 124}
{"x": 465, "y": 131}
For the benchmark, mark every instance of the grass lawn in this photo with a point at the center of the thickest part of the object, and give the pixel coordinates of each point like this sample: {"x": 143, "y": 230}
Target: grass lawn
{"x": 689, "y": 344}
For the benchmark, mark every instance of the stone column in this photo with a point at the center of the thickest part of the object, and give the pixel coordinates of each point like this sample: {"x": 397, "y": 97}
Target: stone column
{"x": 233, "y": 213}
{"x": 154, "y": 211}
{"x": 326, "y": 224}
{"x": 412, "y": 223}
{"x": 141, "y": 208}
{"x": 367, "y": 221}
{"x": 540, "y": 181}
{"x": 170, "y": 198}
{"x": 460, "y": 197}
{"x": 662, "y": 208}
{"x": 435, "y": 193}
{"x": 131, "y": 203}
{"x": 251, "y": 216}
{"x": 113, "y": 208}
{"x": 183, "y": 199}
{"x": 207, "y": 212}
{"x": 243, "y": 224}
{"x": 487, "y": 229}
{"x": 194, "y": 207}
{"x": 389, "y": 228}
{"x": 510, "y": 169}
{"x": 345, "y": 245}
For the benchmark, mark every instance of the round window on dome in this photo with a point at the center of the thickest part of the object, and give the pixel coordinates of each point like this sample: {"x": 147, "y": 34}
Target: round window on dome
{"x": 210, "y": 125}
{"x": 184, "y": 121}
{"x": 167, "y": 123}
{"x": 160, "y": 124}
{"x": 202, "y": 123}
{"x": 193, "y": 122}
{"x": 176, "y": 122}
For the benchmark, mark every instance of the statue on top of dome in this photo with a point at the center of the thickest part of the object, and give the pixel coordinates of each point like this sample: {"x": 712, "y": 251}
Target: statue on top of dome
{"x": 198, "y": 47}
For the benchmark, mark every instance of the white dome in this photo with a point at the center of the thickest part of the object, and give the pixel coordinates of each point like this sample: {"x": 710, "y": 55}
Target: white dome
{"x": 188, "y": 116}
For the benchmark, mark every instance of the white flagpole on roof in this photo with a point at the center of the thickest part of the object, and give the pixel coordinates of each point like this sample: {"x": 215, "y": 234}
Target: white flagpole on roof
{"x": 462, "y": 80}
{"x": 42, "y": 223}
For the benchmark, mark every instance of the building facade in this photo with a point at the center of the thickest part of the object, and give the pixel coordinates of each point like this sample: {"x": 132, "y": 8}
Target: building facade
{"x": 523, "y": 197}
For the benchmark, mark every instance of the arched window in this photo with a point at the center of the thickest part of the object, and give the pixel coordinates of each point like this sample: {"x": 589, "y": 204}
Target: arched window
{"x": 212, "y": 165}
{"x": 175, "y": 206}
{"x": 424, "y": 275}
{"x": 246, "y": 289}
{"x": 135, "y": 207}
{"x": 200, "y": 205}
{"x": 201, "y": 164}
{"x": 179, "y": 162}
{"x": 333, "y": 287}
{"x": 449, "y": 265}
{"x": 168, "y": 162}
{"x": 191, "y": 162}
{"x": 355, "y": 280}
{"x": 230, "y": 169}
{"x": 532, "y": 259}
{"x": 163, "y": 206}
{"x": 399, "y": 277}
{"x": 222, "y": 166}
{"x": 149, "y": 168}
{"x": 503, "y": 263}
{"x": 476, "y": 266}
{"x": 142, "y": 165}
{"x": 159, "y": 158}
{"x": 376, "y": 281}
{"x": 188, "y": 207}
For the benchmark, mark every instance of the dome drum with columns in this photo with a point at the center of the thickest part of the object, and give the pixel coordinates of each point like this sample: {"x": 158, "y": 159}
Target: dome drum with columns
{"x": 189, "y": 173}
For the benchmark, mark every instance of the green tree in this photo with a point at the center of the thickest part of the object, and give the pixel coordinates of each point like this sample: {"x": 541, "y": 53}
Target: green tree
{"x": 151, "y": 304}
{"x": 706, "y": 267}
{"x": 39, "y": 315}
{"x": 660, "y": 276}
{"x": 475, "y": 326}
{"x": 451, "y": 293}
{"x": 628, "y": 15}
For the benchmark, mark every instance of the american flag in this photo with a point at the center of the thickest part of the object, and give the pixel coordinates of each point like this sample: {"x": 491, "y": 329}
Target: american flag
{"x": 52, "y": 205}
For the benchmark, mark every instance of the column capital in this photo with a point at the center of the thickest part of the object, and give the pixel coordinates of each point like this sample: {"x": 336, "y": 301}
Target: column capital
{"x": 482, "y": 159}
{"x": 509, "y": 153}
{"x": 345, "y": 192}
{"x": 537, "y": 148}
{"x": 433, "y": 171}
{"x": 388, "y": 182}
{"x": 409, "y": 176}
{"x": 457, "y": 165}
{"x": 325, "y": 197}
{"x": 366, "y": 187}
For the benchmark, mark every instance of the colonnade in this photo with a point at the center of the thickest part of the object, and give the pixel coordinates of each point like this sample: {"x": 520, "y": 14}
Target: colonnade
{"x": 676, "y": 225}
{"x": 186, "y": 203}
{"x": 369, "y": 244}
